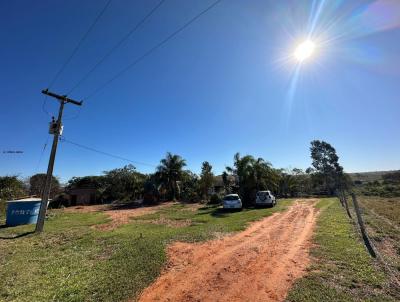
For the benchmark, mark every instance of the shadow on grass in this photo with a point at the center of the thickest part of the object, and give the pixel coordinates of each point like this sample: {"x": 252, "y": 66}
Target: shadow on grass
{"x": 213, "y": 211}
{"x": 124, "y": 206}
{"x": 221, "y": 212}
{"x": 14, "y": 236}
{"x": 132, "y": 205}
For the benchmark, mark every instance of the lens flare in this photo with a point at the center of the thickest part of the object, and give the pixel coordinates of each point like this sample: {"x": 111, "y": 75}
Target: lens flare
{"x": 330, "y": 30}
{"x": 304, "y": 50}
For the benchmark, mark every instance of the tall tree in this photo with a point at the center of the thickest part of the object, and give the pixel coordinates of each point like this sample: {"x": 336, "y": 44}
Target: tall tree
{"x": 36, "y": 185}
{"x": 206, "y": 179}
{"x": 169, "y": 172}
{"x": 189, "y": 186}
{"x": 326, "y": 166}
{"x": 123, "y": 183}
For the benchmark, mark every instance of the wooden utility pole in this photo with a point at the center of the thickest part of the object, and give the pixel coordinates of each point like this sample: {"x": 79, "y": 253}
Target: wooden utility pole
{"x": 56, "y": 132}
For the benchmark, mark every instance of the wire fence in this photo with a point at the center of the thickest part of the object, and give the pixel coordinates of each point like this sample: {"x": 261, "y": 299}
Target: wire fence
{"x": 356, "y": 213}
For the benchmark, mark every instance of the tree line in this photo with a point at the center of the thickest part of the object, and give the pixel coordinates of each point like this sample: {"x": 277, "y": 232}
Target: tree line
{"x": 388, "y": 186}
{"x": 172, "y": 181}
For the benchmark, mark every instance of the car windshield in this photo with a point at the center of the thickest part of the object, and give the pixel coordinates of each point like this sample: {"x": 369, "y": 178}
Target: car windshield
{"x": 231, "y": 198}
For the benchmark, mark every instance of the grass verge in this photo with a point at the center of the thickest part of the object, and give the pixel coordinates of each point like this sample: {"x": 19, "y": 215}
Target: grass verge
{"x": 342, "y": 270}
{"x": 71, "y": 261}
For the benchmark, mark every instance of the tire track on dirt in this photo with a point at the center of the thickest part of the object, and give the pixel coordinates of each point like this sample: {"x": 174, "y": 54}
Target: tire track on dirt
{"x": 258, "y": 264}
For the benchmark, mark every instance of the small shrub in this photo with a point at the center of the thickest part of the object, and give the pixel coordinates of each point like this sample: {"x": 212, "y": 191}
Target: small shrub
{"x": 59, "y": 202}
{"x": 215, "y": 199}
{"x": 380, "y": 189}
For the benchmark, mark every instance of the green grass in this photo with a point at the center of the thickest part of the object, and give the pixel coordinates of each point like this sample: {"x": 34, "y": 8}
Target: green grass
{"x": 388, "y": 208}
{"x": 71, "y": 261}
{"x": 382, "y": 219}
{"x": 342, "y": 270}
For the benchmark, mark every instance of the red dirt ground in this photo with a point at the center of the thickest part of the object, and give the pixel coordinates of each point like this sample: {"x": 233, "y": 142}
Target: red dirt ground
{"x": 258, "y": 264}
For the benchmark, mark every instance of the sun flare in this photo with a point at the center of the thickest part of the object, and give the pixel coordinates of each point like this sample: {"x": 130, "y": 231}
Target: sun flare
{"x": 304, "y": 50}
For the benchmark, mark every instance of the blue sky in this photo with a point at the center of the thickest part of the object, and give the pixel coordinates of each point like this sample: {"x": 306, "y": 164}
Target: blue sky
{"x": 225, "y": 84}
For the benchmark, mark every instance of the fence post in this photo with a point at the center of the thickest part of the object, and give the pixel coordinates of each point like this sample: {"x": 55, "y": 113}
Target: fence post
{"x": 338, "y": 194}
{"x": 362, "y": 226}
{"x": 346, "y": 204}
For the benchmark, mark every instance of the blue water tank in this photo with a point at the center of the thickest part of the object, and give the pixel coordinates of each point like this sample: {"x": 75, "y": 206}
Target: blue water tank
{"x": 22, "y": 211}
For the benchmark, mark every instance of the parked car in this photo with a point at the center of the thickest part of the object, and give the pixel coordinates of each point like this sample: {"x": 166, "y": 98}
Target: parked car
{"x": 265, "y": 198}
{"x": 232, "y": 201}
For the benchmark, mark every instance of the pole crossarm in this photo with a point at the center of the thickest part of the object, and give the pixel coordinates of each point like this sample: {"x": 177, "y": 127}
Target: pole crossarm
{"x": 63, "y": 98}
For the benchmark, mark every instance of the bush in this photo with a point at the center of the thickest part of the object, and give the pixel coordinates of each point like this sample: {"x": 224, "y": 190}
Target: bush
{"x": 380, "y": 189}
{"x": 215, "y": 199}
{"x": 60, "y": 201}
{"x": 11, "y": 187}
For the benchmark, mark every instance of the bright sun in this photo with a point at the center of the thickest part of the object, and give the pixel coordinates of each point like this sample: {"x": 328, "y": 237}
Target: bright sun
{"x": 304, "y": 50}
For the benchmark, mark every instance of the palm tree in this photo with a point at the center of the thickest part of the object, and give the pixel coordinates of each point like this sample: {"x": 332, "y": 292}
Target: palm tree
{"x": 170, "y": 172}
{"x": 254, "y": 175}
{"x": 243, "y": 169}
{"x": 265, "y": 176}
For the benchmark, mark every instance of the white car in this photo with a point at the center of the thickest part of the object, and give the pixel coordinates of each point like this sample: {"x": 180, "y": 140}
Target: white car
{"x": 265, "y": 198}
{"x": 232, "y": 201}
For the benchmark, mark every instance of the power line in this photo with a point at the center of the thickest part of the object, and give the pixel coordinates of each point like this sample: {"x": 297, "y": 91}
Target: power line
{"x": 79, "y": 44}
{"x": 44, "y": 106}
{"x": 41, "y": 154}
{"x": 73, "y": 116}
{"x": 63, "y": 139}
{"x": 116, "y": 46}
{"x": 154, "y": 48}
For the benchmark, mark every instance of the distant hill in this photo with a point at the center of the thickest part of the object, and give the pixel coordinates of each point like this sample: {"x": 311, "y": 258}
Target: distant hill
{"x": 369, "y": 176}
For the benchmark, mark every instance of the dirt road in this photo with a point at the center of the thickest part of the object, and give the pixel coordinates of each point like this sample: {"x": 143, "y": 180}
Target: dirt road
{"x": 258, "y": 264}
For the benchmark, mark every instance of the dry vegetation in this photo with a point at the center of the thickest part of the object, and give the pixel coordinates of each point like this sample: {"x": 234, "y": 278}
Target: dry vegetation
{"x": 382, "y": 218}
